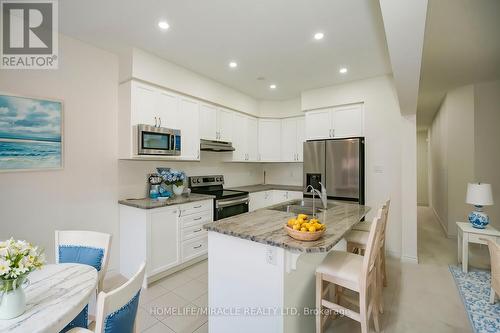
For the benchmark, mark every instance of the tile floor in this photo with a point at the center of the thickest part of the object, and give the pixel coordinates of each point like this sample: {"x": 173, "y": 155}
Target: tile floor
{"x": 419, "y": 298}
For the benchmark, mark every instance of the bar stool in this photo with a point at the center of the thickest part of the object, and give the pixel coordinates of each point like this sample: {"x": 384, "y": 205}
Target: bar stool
{"x": 354, "y": 272}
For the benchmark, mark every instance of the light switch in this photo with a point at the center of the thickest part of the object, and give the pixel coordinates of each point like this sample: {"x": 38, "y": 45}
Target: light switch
{"x": 378, "y": 169}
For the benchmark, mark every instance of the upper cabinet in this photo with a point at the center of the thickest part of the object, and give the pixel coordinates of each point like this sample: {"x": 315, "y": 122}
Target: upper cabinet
{"x": 145, "y": 104}
{"x": 269, "y": 140}
{"x": 338, "y": 122}
{"x": 292, "y": 139}
{"x": 245, "y": 138}
{"x": 216, "y": 123}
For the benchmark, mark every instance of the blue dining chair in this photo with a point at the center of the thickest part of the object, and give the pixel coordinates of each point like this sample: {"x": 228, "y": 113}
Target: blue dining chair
{"x": 117, "y": 310}
{"x": 83, "y": 247}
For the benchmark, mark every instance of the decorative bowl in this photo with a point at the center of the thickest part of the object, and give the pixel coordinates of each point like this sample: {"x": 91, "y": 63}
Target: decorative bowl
{"x": 304, "y": 235}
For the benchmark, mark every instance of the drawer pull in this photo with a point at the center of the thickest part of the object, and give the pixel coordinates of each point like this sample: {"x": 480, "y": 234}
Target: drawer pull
{"x": 197, "y": 219}
{"x": 197, "y": 247}
{"x": 198, "y": 206}
{"x": 198, "y": 230}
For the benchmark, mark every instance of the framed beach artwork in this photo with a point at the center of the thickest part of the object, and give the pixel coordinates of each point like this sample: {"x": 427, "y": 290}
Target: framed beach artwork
{"x": 30, "y": 133}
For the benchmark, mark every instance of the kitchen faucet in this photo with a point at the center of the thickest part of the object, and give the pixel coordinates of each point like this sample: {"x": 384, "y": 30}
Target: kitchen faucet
{"x": 321, "y": 195}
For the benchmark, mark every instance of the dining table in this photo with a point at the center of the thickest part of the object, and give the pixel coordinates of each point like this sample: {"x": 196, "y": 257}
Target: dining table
{"x": 56, "y": 294}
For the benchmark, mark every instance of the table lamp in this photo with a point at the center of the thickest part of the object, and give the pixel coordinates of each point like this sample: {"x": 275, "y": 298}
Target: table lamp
{"x": 479, "y": 195}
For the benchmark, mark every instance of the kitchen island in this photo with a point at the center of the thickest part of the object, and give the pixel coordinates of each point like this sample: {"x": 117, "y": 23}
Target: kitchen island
{"x": 262, "y": 280}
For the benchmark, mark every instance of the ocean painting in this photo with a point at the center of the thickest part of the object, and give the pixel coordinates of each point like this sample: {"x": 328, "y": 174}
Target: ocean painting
{"x": 30, "y": 133}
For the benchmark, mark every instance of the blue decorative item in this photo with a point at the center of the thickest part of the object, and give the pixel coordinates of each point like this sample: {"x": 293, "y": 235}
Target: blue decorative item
{"x": 171, "y": 176}
{"x": 81, "y": 255}
{"x": 474, "y": 288}
{"x": 122, "y": 320}
{"x": 478, "y": 218}
{"x": 479, "y": 195}
{"x": 81, "y": 320}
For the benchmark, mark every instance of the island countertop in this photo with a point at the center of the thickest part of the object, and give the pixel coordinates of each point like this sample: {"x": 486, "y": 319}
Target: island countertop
{"x": 267, "y": 226}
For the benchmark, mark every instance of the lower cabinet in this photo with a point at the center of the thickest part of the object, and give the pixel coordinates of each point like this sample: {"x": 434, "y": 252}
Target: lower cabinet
{"x": 268, "y": 198}
{"x": 163, "y": 237}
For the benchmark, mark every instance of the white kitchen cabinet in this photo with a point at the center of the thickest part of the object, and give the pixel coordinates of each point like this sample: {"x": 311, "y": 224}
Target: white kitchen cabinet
{"x": 319, "y": 124}
{"x": 260, "y": 200}
{"x": 144, "y": 105}
{"x": 141, "y": 103}
{"x": 245, "y": 138}
{"x": 225, "y": 124}
{"x": 167, "y": 238}
{"x": 188, "y": 122}
{"x": 215, "y": 123}
{"x": 208, "y": 122}
{"x": 268, "y": 198}
{"x": 338, "y": 122}
{"x": 292, "y": 139}
{"x": 164, "y": 239}
{"x": 348, "y": 121}
{"x": 252, "y": 139}
{"x": 269, "y": 140}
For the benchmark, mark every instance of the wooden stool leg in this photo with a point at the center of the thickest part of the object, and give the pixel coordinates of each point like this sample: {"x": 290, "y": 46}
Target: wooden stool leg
{"x": 319, "y": 297}
{"x": 363, "y": 315}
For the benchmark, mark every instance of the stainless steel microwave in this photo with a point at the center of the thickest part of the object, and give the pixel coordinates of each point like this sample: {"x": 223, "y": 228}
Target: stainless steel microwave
{"x": 154, "y": 140}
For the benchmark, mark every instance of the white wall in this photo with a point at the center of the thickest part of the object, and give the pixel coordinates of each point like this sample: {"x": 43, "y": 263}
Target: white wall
{"x": 384, "y": 136}
{"x": 83, "y": 195}
{"x": 132, "y": 174}
{"x": 153, "y": 69}
{"x": 422, "y": 169}
{"x": 281, "y": 109}
{"x": 487, "y": 139}
{"x": 452, "y": 157}
{"x": 284, "y": 173}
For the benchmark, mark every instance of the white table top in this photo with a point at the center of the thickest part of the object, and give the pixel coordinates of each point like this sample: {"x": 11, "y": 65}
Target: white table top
{"x": 489, "y": 230}
{"x": 56, "y": 295}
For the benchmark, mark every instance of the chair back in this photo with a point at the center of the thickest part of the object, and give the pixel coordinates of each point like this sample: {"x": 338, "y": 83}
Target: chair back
{"x": 372, "y": 250}
{"x": 385, "y": 217}
{"x": 494, "y": 249}
{"x": 117, "y": 310}
{"x": 84, "y": 247}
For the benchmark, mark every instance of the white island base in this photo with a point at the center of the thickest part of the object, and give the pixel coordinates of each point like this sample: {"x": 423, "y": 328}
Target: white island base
{"x": 253, "y": 287}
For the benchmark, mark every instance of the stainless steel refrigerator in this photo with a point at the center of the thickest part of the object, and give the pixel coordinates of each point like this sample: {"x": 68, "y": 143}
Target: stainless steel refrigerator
{"x": 339, "y": 165}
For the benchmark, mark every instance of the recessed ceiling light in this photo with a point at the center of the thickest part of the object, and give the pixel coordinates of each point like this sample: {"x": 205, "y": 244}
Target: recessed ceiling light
{"x": 272, "y": 86}
{"x": 233, "y": 64}
{"x": 319, "y": 35}
{"x": 163, "y": 25}
{"x": 343, "y": 70}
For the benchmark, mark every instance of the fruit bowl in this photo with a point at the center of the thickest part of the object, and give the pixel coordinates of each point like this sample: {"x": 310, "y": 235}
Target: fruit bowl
{"x": 304, "y": 236}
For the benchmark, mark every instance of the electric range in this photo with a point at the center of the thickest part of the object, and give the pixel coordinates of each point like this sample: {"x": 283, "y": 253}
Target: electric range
{"x": 227, "y": 202}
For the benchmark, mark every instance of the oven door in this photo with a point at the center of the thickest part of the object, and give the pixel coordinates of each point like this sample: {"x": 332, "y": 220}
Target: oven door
{"x": 230, "y": 207}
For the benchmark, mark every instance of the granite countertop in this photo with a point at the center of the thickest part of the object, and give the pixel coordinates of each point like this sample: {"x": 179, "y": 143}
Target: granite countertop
{"x": 266, "y": 226}
{"x": 267, "y": 187}
{"x": 146, "y": 203}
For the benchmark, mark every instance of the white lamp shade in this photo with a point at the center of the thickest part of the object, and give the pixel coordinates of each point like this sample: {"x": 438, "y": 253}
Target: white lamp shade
{"x": 479, "y": 194}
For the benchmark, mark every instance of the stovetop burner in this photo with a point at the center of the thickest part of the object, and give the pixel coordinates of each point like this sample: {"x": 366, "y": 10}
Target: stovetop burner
{"x": 212, "y": 185}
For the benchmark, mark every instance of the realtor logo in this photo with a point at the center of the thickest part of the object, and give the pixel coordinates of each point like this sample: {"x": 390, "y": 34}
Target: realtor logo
{"x": 29, "y": 34}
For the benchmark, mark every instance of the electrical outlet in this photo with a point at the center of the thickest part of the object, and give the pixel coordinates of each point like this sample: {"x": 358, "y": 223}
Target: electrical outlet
{"x": 271, "y": 255}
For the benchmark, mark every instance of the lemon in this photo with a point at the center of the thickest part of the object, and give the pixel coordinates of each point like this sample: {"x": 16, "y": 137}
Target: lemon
{"x": 296, "y": 227}
{"x": 302, "y": 217}
{"x": 312, "y": 229}
{"x": 303, "y": 229}
{"x": 291, "y": 222}
{"x": 314, "y": 221}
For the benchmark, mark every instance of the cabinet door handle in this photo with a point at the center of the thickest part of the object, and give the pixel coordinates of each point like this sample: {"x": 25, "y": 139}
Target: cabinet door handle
{"x": 197, "y": 219}
{"x": 333, "y": 132}
{"x": 156, "y": 122}
{"x": 197, "y": 247}
{"x": 198, "y": 230}
{"x": 199, "y": 206}
{"x": 159, "y": 118}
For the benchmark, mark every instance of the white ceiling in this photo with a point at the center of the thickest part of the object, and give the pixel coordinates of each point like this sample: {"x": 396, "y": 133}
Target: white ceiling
{"x": 461, "y": 46}
{"x": 271, "y": 39}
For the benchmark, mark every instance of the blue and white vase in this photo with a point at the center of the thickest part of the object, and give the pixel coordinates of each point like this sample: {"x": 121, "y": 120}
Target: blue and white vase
{"x": 478, "y": 218}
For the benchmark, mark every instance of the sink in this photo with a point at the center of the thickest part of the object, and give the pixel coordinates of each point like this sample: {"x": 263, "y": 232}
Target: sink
{"x": 302, "y": 206}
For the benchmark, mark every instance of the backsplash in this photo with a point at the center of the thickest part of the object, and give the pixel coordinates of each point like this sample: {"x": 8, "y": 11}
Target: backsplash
{"x": 132, "y": 174}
